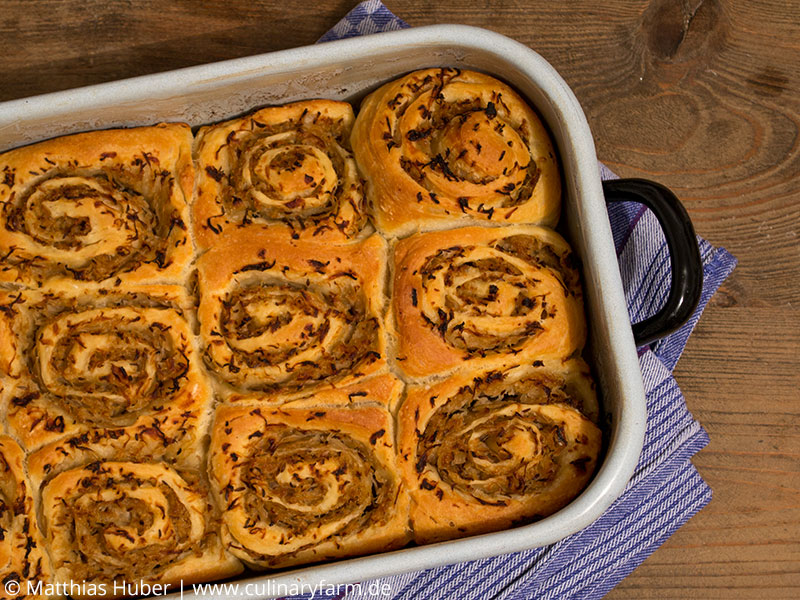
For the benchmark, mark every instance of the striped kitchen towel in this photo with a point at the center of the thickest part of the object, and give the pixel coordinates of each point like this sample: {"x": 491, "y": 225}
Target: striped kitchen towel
{"x": 665, "y": 490}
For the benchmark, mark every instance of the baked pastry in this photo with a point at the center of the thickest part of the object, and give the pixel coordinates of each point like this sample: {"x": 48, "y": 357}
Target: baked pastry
{"x": 281, "y": 315}
{"x": 444, "y": 148}
{"x": 486, "y": 450}
{"x": 105, "y": 205}
{"x": 312, "y": 479}
{"x": 23, "y": 562}
{"x": 484, "y": 295}
{"x": 287, "y": 165}
{"x": 77, "y": 359}
{"x": 113, "y": 515}
{"x": 415, "y": 384}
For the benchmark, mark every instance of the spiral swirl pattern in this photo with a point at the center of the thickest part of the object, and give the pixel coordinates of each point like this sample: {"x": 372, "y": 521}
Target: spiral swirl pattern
{"x": 122, "y": 520}
{"x": 290, "y": 175}
{"x": 314, "y": 484}
{"x": 108, "y": 365}
{"x": 486, "y": 297}
{"x": 289, "y": 165}
{"x": 513, "y": 442}
{"x": 444, "y": 145}
{"x": 89, "y": 224}
{"x": 289, "y": 333}
{"x": 307, "y": 480}
{"x": 483, "y": 301}
{"x": 281, "y": 315}
{"x": 96, "y": 206}
{"x": 495, "y": 450}
{"x": 86, "y": 359}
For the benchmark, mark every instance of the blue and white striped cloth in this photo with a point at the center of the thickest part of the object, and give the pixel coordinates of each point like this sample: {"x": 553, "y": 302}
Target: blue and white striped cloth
{"x": 665, "y": 491}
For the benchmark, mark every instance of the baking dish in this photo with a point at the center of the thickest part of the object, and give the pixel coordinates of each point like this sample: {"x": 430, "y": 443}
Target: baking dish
{"x": 348, "y": 69}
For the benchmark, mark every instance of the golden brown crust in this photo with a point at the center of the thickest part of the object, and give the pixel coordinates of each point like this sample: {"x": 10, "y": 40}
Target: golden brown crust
{"x": 445, "y": 148}
{"x": 111, "y": 516}
{"x": 483, "y": 451}
{"x": 23, "y": 560}
{"x": 104, "y": 323}
{"x": 101, "y": 206}
{"x": 94, "y": 363}
{"x": 310, "y": 480}
{"x": 278, "y": 315}
{"x": 288, "y": 166}
{"x": 482, "y": 296}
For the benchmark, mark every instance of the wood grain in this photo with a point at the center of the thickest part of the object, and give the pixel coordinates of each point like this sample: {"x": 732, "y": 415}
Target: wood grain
{"x": 703, "y": 96}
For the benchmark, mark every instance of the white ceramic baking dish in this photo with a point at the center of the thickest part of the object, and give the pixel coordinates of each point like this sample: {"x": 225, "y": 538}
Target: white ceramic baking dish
{"x": 346, "y": 70}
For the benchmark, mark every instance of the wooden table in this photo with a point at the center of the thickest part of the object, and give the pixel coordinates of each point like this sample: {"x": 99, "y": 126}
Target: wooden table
{"x": 703, "y": 96}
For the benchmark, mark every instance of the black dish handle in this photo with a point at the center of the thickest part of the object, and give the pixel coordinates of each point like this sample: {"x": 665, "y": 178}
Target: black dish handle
{"x": 684, "y": 255}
